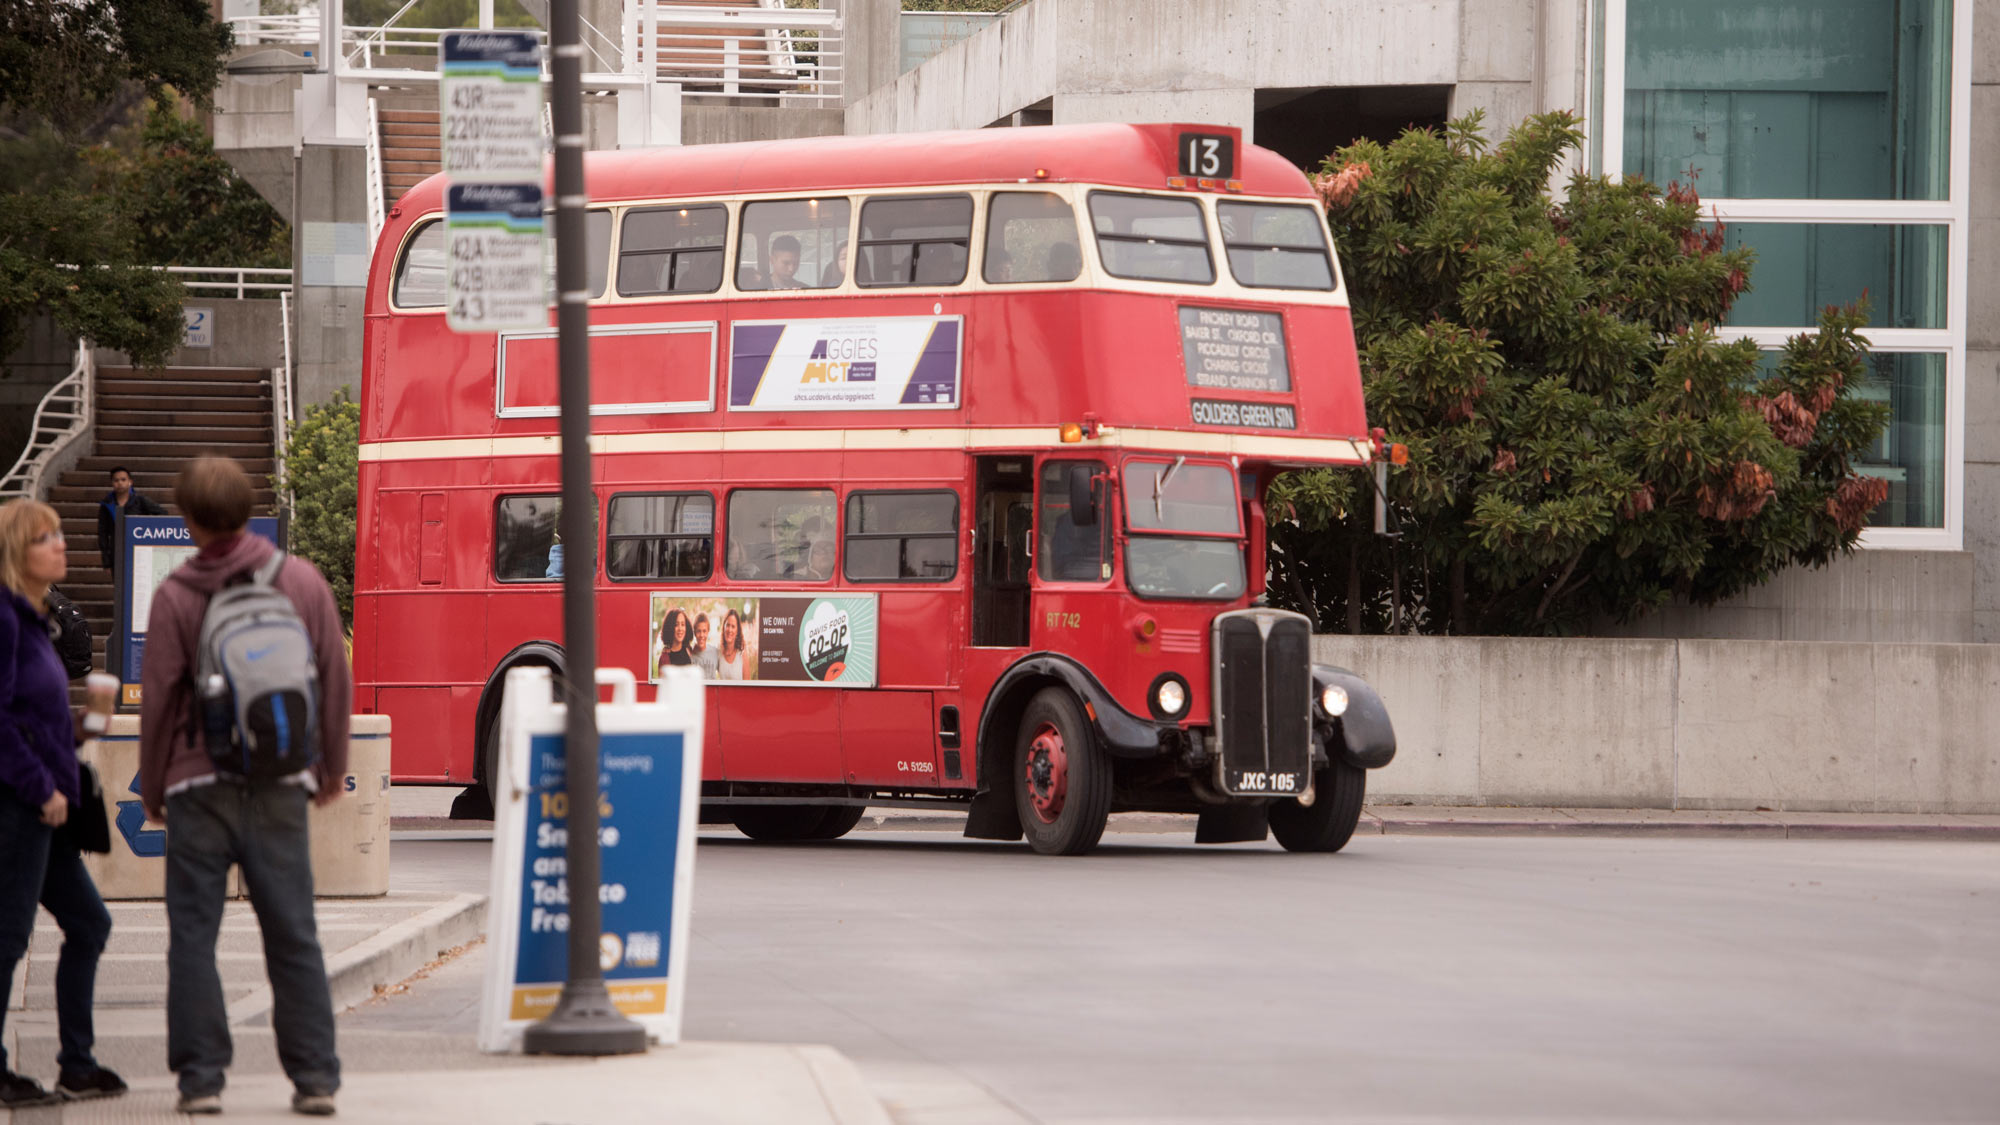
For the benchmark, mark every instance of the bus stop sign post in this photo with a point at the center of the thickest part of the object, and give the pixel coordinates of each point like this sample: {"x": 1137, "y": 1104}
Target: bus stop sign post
{"x": 585, "y": 1021}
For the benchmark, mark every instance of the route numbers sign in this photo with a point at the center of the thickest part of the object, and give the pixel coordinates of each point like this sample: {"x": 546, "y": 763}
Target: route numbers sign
{"x": 492, "y": 101}
{"x": 495, "y": 277}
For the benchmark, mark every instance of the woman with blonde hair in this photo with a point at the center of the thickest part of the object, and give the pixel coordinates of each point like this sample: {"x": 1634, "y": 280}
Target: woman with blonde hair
{"x": 38, "y": 786}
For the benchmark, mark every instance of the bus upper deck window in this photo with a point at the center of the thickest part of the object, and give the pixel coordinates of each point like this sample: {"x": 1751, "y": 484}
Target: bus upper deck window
{"x": 597, "y": 235}
{"x": 420, "y": 273}
{"x": 1275, "y": 245}
{"x": 793, "y": 244}
{"x": 914, "y": 240}
{"x": 672, "y": 250}
{"x": 1151, "y": 237}
{"x": 1031, "y": 236}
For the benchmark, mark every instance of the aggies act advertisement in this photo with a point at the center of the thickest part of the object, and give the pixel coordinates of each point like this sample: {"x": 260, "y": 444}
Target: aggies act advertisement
{"x": 766, "y": 638}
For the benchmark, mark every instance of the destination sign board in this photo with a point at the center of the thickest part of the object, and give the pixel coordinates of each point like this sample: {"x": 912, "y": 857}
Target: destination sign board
{"x": 1235, "y": 350}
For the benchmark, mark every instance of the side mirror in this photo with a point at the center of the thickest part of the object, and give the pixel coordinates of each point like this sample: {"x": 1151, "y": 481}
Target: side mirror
{"x": 1082, "y": 496}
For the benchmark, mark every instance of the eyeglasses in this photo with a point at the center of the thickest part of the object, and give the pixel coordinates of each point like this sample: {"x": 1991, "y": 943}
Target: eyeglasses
{"x": 53, "y": 535}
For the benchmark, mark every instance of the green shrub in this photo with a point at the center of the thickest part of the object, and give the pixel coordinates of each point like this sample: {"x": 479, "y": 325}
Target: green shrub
{"x": 318, "y": 478}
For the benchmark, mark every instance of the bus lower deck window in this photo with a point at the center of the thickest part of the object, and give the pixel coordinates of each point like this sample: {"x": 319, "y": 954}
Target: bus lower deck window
{"x": 526, "y": 544}
{"x": 902, "y": 537}
{"x": 660, "y": 536}
{"x": 781, "y": 534}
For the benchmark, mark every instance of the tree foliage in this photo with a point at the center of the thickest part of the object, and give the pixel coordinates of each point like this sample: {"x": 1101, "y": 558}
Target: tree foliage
{"x": 319, "y": 472}
{"x": 1580, "y": 442}
{"x": 86, "y": 199}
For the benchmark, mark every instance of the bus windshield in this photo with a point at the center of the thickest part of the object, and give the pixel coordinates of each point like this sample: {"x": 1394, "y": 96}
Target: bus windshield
{"x": 1199, "y": 503}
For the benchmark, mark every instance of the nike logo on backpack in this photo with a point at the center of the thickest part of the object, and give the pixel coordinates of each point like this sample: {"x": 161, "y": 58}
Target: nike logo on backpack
{"x": 258, "y": 653}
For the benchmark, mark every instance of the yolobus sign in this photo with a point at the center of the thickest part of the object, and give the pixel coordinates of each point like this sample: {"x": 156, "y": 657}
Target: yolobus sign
{"x": 491, "y": 93}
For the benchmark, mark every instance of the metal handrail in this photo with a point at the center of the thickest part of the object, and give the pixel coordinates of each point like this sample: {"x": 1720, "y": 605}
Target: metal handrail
{"x": 243, "y": 282}
{"x": 76, "y": 392}
{"x": 300, "y": 28}
{"x": 376, "y": 203}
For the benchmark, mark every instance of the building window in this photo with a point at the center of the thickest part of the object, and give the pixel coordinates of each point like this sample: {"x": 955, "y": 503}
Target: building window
{"x": 1791, "y": 99}
{"x": 526, "y": 543}
{"x": 660, "y": 536}
{"x": 902, "y": 536}
{"x": 1820, "y": 133}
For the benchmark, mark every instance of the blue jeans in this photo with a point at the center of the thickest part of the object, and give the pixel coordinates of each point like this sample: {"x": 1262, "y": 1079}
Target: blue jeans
{"x": 42, "y": 866}
{"x": 261, "y": 829}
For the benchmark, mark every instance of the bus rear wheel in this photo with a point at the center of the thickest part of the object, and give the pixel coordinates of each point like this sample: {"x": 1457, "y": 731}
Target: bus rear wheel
{"x": 1327, "y": 823}
{"x": 1062, "y": 778}
{"x": 783, "y": 823}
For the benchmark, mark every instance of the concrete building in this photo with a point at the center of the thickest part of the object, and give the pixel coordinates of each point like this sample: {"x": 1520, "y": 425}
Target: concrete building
{"x": 1854, "y": 143}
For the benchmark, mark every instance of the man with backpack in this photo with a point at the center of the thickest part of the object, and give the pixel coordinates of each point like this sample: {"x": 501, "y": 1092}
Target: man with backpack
{"x": 244, "y": 720}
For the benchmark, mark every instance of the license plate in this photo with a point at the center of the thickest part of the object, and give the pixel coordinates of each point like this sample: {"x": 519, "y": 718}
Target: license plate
{"x": 1259, "y": 783}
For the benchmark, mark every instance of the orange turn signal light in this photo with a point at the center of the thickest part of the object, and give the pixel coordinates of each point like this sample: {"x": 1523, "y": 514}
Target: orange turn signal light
{"x": 1399, "y": 454}
{"x": 1072, "y": 431}
{"x": 1144, "y": 626}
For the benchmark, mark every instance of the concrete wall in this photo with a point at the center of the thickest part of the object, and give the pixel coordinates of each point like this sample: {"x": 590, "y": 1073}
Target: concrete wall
{"x": 246, "y": 333}
{"x": 1982, "y": 337}
{"x": 1873, "y": 595}
{"x": 1097, "y": 60}
{"x": 1685, "y": 724}
{"x": 43, "y": 360}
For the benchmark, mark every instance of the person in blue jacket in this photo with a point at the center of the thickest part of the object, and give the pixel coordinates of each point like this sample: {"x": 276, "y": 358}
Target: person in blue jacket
{"x": 122, "y": 498}
{"x": 38, "y": 786}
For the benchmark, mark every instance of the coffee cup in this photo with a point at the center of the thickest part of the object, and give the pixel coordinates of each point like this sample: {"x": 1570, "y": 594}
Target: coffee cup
{"x": 100, "y": 699}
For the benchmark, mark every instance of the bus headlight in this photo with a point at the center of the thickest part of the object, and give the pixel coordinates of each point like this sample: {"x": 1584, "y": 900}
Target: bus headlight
{"x": 1333, "y": 700}
{"x": 1167, "y": 697}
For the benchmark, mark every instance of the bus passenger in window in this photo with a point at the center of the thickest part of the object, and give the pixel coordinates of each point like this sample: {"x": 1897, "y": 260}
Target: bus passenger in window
{"x": 729, "y": 656}
{"x": 999, "y": 266}
{"x": 740, "y": 564}
{"x": 819, "y": 561}
{"x": 674, "y": 639}
{"x": 836, "y": 270}
{"x": 704, "y": 653}
{"x": 785, "y": 263}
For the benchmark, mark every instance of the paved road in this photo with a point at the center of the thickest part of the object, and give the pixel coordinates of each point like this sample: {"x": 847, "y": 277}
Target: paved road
{"x": 1408, "y": 979}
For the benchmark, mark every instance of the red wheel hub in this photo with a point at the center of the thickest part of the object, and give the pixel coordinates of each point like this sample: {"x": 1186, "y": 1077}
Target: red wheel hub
{"x": 1047, "y": 773}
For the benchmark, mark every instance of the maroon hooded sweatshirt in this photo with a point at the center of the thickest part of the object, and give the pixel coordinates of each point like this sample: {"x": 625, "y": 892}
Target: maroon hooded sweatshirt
{"x": 168, "y": 752}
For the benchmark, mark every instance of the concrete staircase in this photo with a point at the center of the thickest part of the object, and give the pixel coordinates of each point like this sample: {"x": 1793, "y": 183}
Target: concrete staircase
{"x": 153, "y": 422}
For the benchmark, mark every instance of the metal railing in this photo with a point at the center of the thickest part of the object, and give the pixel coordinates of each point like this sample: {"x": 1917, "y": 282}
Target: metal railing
{"x": 233, "y": 281}
{"x": 766, "y": 53}
{"x": 377, "y": 204}
{"x": 61, "y": 418}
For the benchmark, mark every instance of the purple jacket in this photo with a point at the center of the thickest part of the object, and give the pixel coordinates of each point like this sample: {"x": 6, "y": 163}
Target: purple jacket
{"x": 37, "y": 735}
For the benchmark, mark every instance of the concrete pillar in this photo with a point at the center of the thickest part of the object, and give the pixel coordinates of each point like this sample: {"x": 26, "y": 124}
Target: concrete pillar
{"x": 873, "y": 44}
{"x": 331, "y": 244}
{"x": 1982, "y": 326}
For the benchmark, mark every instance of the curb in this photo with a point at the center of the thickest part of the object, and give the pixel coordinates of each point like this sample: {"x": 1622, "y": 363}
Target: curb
{"x": 353, "y": 974}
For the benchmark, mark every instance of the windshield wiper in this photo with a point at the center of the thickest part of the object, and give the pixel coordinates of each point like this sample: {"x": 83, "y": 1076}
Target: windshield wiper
{"x": 1160, "y": 483}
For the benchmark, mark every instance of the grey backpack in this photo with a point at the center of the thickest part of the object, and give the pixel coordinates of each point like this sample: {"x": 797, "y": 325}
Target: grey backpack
{"x": 257, "y": 681}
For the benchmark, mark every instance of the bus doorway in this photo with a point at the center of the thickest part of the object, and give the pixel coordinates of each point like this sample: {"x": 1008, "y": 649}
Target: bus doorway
{"x": 1004, "y": 503}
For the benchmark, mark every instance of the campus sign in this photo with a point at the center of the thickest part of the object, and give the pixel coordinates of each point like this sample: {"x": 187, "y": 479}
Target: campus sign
{"x": 149, "y": 548}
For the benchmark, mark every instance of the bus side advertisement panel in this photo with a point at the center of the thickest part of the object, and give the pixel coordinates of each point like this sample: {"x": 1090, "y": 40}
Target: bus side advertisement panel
{"x": 785, "y": 639}
{"x": 874, "y": 363}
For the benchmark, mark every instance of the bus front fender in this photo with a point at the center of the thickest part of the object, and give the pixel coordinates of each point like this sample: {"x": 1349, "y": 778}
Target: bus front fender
{"x": 1361, "y": 735}
{"x": 1125, "y": 735}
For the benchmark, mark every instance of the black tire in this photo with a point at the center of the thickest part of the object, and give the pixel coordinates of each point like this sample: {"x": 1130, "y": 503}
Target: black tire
{"x": 477, "y": 800}
{"x": 1062, "y": 778}
{"x": 1327, "y": 823}
{"x": 779, "y": 823}
{"x": 838, "y": 822}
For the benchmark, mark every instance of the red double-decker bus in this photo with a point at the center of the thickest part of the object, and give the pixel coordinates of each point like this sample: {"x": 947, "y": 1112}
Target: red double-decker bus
{"x": 947, "y": 471}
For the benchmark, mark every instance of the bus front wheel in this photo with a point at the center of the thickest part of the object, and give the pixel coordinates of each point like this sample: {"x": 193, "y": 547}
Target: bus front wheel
{"x": 1327, "y": 823}
{"x": 1062, "y": 778}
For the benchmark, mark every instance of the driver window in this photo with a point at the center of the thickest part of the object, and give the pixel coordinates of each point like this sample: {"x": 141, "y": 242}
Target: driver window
{"x": 1072, "y": 546}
